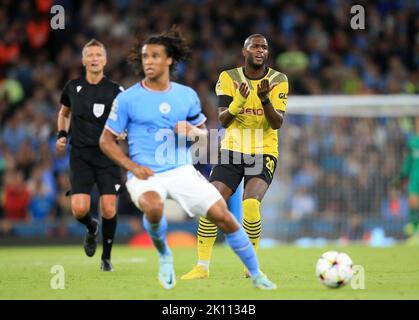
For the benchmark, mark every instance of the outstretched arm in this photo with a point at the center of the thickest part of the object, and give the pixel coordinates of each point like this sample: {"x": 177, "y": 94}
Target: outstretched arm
{"x": 63, "y": 125}
{"x": 234, "y": 105}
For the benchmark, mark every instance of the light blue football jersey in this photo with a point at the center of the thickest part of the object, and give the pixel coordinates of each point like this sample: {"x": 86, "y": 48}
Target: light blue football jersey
{"x": 149, "y": 117}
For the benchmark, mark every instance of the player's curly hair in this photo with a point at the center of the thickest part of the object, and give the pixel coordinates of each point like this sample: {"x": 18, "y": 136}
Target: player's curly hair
{"x": 172, "y": 40}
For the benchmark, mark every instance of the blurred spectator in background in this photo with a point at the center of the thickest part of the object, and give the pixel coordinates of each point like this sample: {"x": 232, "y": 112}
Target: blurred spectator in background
{"x": 303, "y": 204}
{"x": 395, "y": 206}
{"x": 42, "y": 202}
{"x": 16, "y": 197}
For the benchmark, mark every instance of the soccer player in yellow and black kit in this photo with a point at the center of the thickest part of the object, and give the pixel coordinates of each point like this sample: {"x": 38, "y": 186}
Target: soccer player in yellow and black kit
{"x": 252, "y": 102}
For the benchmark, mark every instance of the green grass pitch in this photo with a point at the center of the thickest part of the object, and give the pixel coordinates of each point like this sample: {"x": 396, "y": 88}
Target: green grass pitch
{"x": 25, "y": 273}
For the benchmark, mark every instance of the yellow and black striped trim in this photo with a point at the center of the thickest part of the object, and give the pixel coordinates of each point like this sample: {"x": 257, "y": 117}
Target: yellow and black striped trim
{"x": 238, "y": 76}
{"x": 253, "y": 229}
{"x": 207, "y": 229}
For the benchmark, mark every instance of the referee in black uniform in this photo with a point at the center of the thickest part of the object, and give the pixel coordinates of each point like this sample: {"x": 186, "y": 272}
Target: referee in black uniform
{"x": 85, "y": 104}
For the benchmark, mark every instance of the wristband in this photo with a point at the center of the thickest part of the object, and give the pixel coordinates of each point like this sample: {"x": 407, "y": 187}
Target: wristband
{"x": 62, "y": 134}
{"x": 265, "y": 102}
{"x": 234, "y": 109}
{"x": 237, "y": 104}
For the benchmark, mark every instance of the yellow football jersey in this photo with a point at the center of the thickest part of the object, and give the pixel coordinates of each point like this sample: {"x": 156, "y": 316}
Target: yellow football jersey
{"x": 250, "y": 131}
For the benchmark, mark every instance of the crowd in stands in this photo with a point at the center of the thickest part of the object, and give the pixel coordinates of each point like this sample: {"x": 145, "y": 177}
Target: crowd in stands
{"x": 325, "y": 168}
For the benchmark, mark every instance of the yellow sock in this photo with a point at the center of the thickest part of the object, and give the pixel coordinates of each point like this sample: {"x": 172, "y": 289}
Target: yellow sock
{"x": 251, "y": 220}
{"x": 207, "y": 234}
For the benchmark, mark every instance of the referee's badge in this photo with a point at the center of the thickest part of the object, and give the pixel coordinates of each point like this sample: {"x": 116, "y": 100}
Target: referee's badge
{"x": 164, "y": 107}
{"x": 98, "y": 109}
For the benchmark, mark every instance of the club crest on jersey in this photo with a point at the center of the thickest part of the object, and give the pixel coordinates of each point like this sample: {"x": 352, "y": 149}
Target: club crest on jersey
{"x": 218, "y": 89}
{"x": 164, "y": 107}
{"x": 98, "y": 109}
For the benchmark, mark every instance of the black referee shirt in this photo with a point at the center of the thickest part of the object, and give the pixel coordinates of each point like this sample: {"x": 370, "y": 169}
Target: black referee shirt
{"x": 90, "y": 105}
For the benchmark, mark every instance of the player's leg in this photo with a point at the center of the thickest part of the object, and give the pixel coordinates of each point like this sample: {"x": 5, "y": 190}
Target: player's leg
{"x": 255, "y": 186}
{"x": 155, "y": 223}
{"x": 414, "y": 218}
{"x": 80, "y": 207}
{"x": 109, "y": 222}
{"x": 254, "y": 191}
{"x": 238, "y": 240}
{"x": 235, "y": 203}
{"x": 414, "y": 211}
{"x": 156, "y": 226}
{"x": 197, "y": 196}
{"x": 108, "y": 179}
{"x": 148, "y": 196}
{"x": 226, "y": 178}
{"x": 207, "y": 234}
{"x": 82, "y": 180}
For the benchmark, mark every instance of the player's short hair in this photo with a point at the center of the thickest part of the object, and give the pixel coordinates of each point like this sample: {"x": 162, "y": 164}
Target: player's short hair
{"x": 174, "y": 43}
{"x": 252, "y": 36}
{"x": 93, "y": 43}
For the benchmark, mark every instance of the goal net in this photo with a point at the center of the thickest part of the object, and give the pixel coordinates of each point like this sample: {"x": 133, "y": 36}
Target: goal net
{"x": 338, "y": 158}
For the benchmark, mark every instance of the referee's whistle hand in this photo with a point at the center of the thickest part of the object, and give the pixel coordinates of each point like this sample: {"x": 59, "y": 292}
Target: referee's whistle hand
{"x": 142, "y": 172}
{"x": 60, "y": 145}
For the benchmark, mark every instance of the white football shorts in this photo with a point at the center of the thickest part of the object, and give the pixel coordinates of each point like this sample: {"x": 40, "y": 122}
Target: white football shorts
{"x": 185, "y": 185}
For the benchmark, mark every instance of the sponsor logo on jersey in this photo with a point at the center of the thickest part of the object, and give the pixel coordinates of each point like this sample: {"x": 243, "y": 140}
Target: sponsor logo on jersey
{"x": 251, "y": 111}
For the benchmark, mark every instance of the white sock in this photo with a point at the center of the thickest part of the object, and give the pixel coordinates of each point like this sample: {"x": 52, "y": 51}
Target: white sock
{"x": 204, "y": 264}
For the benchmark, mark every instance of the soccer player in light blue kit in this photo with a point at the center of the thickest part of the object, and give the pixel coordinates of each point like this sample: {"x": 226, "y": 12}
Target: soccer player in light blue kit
{"x": 154, "y": 113}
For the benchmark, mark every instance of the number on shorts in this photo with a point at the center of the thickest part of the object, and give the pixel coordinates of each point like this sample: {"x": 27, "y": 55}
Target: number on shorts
{"x": 270, "y": 165}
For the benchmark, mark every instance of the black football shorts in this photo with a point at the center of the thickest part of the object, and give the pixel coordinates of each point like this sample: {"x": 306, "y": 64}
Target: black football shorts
{"x": 90, "y": 165}
{"x": 233, "y": 166}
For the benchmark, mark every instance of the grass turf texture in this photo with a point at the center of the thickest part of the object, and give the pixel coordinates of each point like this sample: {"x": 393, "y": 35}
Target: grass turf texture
{"x": 390, "y": 273}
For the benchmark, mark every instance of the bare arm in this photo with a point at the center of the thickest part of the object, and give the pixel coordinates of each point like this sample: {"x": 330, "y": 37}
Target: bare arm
{"x": 63, "y": 125}
{"x": 191, "y": 131}
{"x": 63, "y": 122}
{"x": 109, "y": 146}
{"x": 275, "y": 118}
{"x": 225, "y": 117}
{"x": 227, "y": 114}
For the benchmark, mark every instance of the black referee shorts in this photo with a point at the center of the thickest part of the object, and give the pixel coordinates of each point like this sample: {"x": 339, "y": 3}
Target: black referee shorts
{"x": 233, "y": 166}
{"x": 88, "y": 166}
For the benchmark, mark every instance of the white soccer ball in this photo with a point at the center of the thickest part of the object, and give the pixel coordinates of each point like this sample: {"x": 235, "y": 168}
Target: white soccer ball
{"x": 334, "y": 269}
